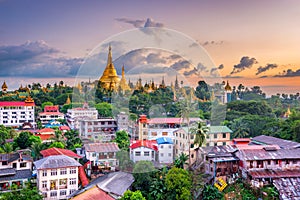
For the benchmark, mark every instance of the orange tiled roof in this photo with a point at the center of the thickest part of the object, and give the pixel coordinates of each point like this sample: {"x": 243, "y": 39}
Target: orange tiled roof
{"x": 93, "y": 193}
{"x": 57, "y": 151}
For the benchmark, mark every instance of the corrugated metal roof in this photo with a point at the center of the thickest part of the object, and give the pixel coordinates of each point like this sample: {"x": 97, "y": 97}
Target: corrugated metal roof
{"x": 268, "y": 173}
{"x": 219, "y": 129}
{"x": 58, "y": 151}
{"x": 101, "y": 147}
{"x": 93, "y": 193}
{"x": 262, "y": 154}
{"x": 151, "y": 144}
{"x": 164, "y": 140}
{"x": 288, "y": 188}
{"x": 52, "y": 162}
{"x": 284, "y": 144}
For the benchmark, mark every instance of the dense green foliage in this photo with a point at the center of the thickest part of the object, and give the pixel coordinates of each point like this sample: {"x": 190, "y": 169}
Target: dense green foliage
{"x": 129, "y": 195}
{"x": 26, "y": 193}
{"x": 122, "y": 139}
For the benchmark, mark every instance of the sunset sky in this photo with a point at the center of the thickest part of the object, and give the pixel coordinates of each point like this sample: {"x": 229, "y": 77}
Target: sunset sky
{"x": 251, "y": 42}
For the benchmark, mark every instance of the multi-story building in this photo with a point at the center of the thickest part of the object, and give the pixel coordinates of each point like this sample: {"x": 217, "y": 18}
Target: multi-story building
{"x": 143, "y": 150}
{"x": 15, "y": 169}
{"x": 123, "y": 121}
{"x": 165, "y": 150}
{"x": 57, "y": 176}
{"x": 153, "y": 128}
{"x": 102, "y": 154}
{"x": 15, "y": 113}
{"x": 218, "y": 136}
{"x": 99, "y": 130}
{"x": 51, "y": 113}
{"x": 75, "y": 115}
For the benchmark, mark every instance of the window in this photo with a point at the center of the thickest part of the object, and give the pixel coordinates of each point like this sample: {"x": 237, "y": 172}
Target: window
{"x": 146, "y": 153}
{"x": 22, "y": 165}
{"x": 161, "y": 155}
{"x": 44, "y": 184}
{"x": 170, "y": 146}
{"x": 154, "y": 133}
{"x": 224, "y": 135}
{"x": 72, "y": 181}
{"x": 215, "y": 144}
{"x": 169, "y": 154}
{"x": 269, "y": 162}
{"x": 44, "y": 173}
{"x": 53, "y": 194}
{"x": 72, "y": 191}
{"x": 137, "y": 153}
{"x": 53, "y": 172}
{"x": 215, "y": 136}
{"x": 224, "y": 143}
{"x": 192, "y": 145}
{"x": 192, "y": 137}
{"x": 164, "y": 133}
{"x": 161, "y": 146}
{"x": 44, "y": 194}
{"x": 4, "y": 162}
{"x": 63, "y": 181}
{"x": 63, "y": 171}
{"x": 73, "y": 170}
{"x": 63, "y": 192}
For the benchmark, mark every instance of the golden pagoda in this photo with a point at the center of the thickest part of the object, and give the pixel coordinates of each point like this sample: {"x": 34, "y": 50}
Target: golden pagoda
{"x": 227, "y": 87}
{"x": 68, "y": 101}
{"x": 4, "y": 87}
{"x": 109, "y": 79}
{"x": 123, "y": 83}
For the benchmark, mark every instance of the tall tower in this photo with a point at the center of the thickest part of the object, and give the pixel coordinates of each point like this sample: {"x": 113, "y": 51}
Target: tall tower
{"x": 123, "y": 83}
{"x": 176, "y": 84}
{"x": 4, "y": 87}
{"x": 109, "y": 78}
{"x": 227, "y": 95}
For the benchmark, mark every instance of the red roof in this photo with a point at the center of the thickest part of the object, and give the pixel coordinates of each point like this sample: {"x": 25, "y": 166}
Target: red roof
{"x": 151, "y": 144}
{"x": 275, "y": 173}
{"x": 46, "y": 130}
{"x": 62, "y": 128}
{"x": 57, "y": 151}
{"x": 83, "y": 179}
{"x": 15, "y": 103}
{"x": 51, "y": 109}
{"x": 45, "y": 136}
{"x": 93, "y": 193}
{"x": 51, "y": 113}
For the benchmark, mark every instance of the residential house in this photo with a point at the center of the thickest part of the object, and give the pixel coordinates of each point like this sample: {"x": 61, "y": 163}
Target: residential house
{"x": 218, "y": 136}
{"x": 99, "y": 130}
{"x": 143, "y": 150}
{"x": 15, "y": 113}
{"x": 46, "y": 134}
{"x": 123, "y": 121}
{"x": 220, "y": 161}
{"x": 75, "y": 115}
{"x": 107, "y": 187}
{"x": 102, "y": 154}
{"x": 58, "y": 151}
{"x": 51, "y": 113}
{"x": 15, "y": 169}
{"x": 269, "y": 162}
{"x": 165, "y": 150}
{"x": 153, "y": 128}
{"x": 57, "y": 176}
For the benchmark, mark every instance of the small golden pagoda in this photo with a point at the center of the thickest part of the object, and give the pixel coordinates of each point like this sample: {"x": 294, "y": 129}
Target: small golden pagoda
{"x": 4, "y": 87}
{"x": 68, "y": 101}
{"x": 109, "y": 79}
{"x": 123, "y": 83}
{"x": 227, "y": 87}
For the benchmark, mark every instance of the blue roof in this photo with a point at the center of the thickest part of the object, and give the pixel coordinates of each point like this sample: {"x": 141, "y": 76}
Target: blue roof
{"x": 164, "y": 140}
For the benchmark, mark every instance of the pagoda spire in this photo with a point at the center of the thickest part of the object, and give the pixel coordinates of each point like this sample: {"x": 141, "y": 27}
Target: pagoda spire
{"x": 109, "y": 57}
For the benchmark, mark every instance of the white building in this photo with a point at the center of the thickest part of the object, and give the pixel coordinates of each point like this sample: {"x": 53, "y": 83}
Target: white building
{"x": 15, "y": 113}
{"x": 100, "y": 130}
{"x": 165, "y": 150}
{"x": 57, "y": 176}
{"x": 75, "y": 115}
{"x": 51, "y": 113}
{"x": 102, "y": 154}
{"x": 143, "y": 150}
{"x": 123, "y": 121}
{"x": 15, "y": 169}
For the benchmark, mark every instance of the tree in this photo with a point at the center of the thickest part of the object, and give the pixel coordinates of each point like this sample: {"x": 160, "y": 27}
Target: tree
{"x": 129, "y": 195}
{"x": 181, "y": 161}
{"x": 28, "y": 192}
{"x": 200, "y": 131}
{"x": 47, "y": 103}
{"x": 211, "y": 193}
{"x": 122, "y": 140}
{"x": 25, "y": 140}
{"x": 73, "y": 140}
{"x": 178, "y": 183}
{"x": 35, "y": 150}
{"x": 57, "y": 145}
{"x": 104, "y": 109}
{"x": 142, "y": 173}
{"x": 240, "y": 129}
{"x": 6, "y": 148}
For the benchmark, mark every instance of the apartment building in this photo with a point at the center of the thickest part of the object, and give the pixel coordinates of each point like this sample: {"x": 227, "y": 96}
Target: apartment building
{"x": 75, "y": 115}
{"x": 51, "y": 113}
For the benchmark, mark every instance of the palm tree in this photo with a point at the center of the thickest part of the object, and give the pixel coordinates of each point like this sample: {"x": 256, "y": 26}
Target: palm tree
{"x": 181, "y": 160}
{"x": 35, "y": 150}
{"x": 6, "y": 148}
{"x": 240, "y": 129}
{"x": 200, "y": 131}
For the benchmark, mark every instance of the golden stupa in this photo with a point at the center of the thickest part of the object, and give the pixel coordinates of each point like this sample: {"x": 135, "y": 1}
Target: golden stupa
{"x": 109, "y": 79}
{"x": 123, "y": 83}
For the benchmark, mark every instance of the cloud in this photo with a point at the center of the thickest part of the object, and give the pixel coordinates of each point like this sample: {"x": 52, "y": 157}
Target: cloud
{"x": 141, "y": 23}
{"x": 245, "y": 62}
{"x": 266, "y": 68}
{"x": 289, "y": 73}
{"x": 212, "y": 42}
{"x": 182, "y": 64}
{"x": 221, "y": 66}
{"x": 155, "y": 58}
{"x": 191, "y": 72}
{"x": 36, "y": 59}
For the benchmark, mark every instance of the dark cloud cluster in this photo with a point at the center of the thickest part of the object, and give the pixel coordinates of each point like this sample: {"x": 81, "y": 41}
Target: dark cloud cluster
{"x": 245, "y": 63}
{"x": 36, "y": 59}
{"x": 289, "y": 73}
{"x": 196, "y": 70}
{"x": 265, "y": 68}
{"x": 206, "y": 43}
{"x": 141, "y": 23}
{"x": 213, "y": 71}
{"x": 181, "y": 64}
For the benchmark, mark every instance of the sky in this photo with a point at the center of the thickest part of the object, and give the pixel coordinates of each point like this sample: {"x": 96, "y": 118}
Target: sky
{"x": 250, "y": 42}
